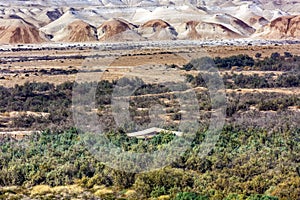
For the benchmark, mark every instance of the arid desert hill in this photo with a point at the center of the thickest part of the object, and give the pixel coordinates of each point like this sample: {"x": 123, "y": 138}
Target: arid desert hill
{"x": 13, "y": 31}
{"x": 203, "y": 30}
{"x": 117, "y": 30}
{"x": 257, "y": 21}
{"x": 78, "y": 31}
{"x": 158, "y": 29}
{"x": 234, "y": 24}
{"x": 62, "y": 22}
{"x": 286, "y": 27}
{"x": 189, "y": 31}
{"x": 135, "y": 20}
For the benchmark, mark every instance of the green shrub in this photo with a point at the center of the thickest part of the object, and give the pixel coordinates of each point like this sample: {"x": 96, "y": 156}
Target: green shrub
{"x": 190, "y": 196}
{"x": 261, "y": 197}
{"x": 158, "y": 191}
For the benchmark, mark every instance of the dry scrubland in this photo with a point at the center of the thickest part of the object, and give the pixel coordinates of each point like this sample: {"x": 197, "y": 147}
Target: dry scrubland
{"x": 63, "y": 66}
{"x": 152, "y": 64}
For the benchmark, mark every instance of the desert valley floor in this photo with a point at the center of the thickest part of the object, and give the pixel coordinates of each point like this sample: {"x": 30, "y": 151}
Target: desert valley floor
{"x": 57, "y": 63}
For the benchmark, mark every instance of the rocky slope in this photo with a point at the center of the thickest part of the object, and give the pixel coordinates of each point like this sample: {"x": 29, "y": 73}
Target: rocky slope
{"x": 77, "y": 31}
{"x": 158, "y": 29}
{"x": 131, "y": 20}
{"x": 117, "y": 30}
{"x": 203, "y": 30}
{"x": 287, "y": 27}
{"x": 13, "y": 31}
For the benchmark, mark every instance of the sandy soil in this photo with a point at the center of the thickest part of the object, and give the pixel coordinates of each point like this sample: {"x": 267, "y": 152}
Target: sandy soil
{"x": 224, "y": 51}
{"x": 121, "y": 62}
{"x": 287, "y": 91}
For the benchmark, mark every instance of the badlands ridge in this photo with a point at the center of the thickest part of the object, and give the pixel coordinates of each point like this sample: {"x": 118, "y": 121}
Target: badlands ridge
{"x": 109, "y": 21}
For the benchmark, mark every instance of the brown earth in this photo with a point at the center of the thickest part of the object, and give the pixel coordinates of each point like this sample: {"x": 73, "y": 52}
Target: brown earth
{"x": 219, "y": 31}
{"x": 80, "y": 31}
{"x": 258, "y": 20}
{"x": 113, "y": 28}
{"x": 120, "y": 65}
{"x": 288, "y": 91}
{"x": 283, "y": 27}
{"x": 196, "y": 30}
{"x": 154, "y": 59}
{"x": 193, "y": 33}
{"x": 242, "y": 26}
{"x": 294, "y": 28}
{"x": 156, "y": 24}
{"x": 17, "y": 31}
{"x": 158, "y": 29}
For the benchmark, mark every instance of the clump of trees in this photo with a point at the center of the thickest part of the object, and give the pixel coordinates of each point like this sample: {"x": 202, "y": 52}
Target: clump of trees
{"x": 221, "y": 63}
{"x": 275, "y": 62}
{"x": 235, "y": 81}
{"x": 238, "y": 61}
{"x": 242, "y": 165}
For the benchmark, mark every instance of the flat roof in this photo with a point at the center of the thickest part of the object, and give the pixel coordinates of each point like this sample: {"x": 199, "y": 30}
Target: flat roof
{"x": 151, "y": 132}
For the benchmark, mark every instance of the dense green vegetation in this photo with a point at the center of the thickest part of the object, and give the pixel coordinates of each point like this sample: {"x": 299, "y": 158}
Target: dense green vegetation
{"x": 244, "y": 163}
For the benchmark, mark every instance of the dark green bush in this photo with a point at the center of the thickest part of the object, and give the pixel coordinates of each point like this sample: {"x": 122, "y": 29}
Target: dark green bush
{"x": 190, "y": 196}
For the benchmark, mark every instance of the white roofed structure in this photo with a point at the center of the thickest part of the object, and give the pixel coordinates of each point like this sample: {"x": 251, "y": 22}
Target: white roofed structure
{"x": 151, "y": 132}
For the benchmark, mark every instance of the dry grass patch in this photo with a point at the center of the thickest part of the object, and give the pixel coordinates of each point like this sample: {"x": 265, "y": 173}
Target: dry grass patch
{"x": 131, "y": 194}
{"x": 164, "y": 197}
{"x": 70, "y": 189}
{"x": 41, "y": 190}
{"x": 45, "y": 189}
{"x": 103, "y": 191}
